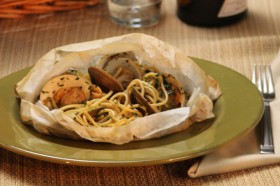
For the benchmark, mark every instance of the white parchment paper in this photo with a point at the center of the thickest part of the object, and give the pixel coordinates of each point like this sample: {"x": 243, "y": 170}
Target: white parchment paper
{"x": 148, "y": 50}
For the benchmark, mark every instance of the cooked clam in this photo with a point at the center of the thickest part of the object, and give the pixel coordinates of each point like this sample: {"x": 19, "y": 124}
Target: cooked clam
{"x": 124, "y": 68}
{"x": 104, "y": 80}
{"x": 115, "y": 72}
{"x": 176, "y": 95}
{"x": 141, "y": 100}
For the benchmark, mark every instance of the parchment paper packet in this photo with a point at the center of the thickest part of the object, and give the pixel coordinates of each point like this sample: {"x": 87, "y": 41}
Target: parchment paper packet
{"x": 148, "y": 50}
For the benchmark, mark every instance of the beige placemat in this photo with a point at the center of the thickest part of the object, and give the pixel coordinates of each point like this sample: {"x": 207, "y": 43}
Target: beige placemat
{"x": 256, "y": 39}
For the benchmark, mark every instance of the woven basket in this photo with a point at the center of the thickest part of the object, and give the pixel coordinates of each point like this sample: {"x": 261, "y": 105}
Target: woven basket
{"x": 22, "y": 8}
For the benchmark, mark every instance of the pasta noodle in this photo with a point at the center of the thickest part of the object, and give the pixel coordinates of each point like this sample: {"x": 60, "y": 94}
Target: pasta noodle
{"x": 120, "y": 108}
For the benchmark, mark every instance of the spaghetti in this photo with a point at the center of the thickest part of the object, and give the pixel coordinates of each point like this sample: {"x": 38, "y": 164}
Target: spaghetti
{"x": 121, "y": 108}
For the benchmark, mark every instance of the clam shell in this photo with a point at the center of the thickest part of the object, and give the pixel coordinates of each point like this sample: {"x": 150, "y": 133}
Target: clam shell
{"x": 104, "y": 80}
{"x": 124, "y": 68}
{"x": 140, "y": 99}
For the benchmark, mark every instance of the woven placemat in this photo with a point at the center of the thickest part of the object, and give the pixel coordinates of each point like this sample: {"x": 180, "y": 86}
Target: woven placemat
{"x": 19, "y": 170}
{"x": 239, "y": 46}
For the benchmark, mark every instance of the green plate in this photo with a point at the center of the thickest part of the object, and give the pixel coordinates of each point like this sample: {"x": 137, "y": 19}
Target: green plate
{"x": 237, "y": 112}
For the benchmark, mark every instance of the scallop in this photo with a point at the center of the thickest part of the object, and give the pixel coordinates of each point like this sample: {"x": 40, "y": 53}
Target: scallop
{"x": 68, "y": 89}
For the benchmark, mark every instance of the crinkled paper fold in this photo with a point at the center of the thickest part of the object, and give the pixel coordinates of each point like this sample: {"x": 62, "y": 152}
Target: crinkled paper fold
{"x": 148, "y": 50}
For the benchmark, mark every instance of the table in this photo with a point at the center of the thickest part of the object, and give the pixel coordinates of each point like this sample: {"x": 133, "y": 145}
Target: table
{"x": 255, "y": 39}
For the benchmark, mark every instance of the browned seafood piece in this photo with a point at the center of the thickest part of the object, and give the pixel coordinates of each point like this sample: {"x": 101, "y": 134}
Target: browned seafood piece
{"x": 68, "y": 89}
{"x": 70, "y": 95}
{"x": 176, "y": 95}
{"x": 104, "y": 80}
{"x": 141, "y": 100}
{"x": 122, "y": 68}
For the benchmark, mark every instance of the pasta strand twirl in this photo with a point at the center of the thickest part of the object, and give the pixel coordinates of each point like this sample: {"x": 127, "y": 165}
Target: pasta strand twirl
{"x": 118, "y": 109}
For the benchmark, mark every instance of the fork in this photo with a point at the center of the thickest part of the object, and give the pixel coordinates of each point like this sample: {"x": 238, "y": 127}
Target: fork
{"x": 262, "y": 78}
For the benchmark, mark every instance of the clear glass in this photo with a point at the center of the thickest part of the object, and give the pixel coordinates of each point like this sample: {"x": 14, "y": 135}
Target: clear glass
{"x": 134, "y": 13}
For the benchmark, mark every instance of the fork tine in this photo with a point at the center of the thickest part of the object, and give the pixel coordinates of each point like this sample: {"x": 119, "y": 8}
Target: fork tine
{"x": 264, "y": 80}
{"x": 270, "y": 82}
{"x": 258, "y": 77}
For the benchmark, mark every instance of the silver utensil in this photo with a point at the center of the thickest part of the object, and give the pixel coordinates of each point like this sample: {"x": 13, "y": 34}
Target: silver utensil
{"x": 262, "y": 78}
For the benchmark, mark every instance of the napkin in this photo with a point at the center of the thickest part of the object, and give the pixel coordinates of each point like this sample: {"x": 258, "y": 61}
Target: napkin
{"x": 244, "y": 153}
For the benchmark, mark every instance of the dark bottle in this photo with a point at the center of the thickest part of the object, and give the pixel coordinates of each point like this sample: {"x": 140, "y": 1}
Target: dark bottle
{"x": 211, "y": 13}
